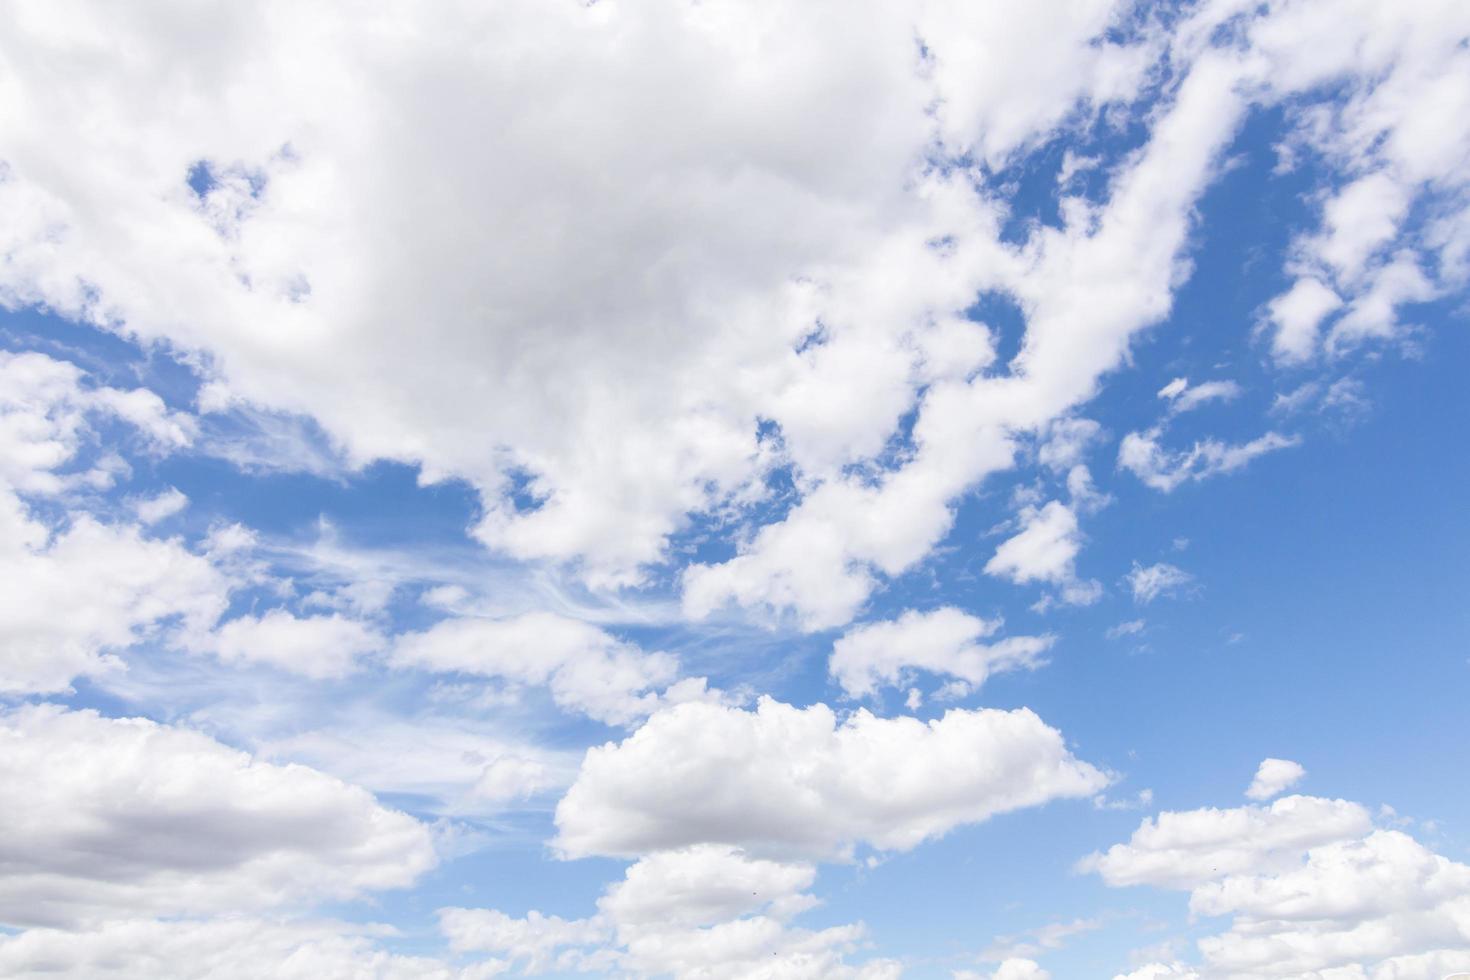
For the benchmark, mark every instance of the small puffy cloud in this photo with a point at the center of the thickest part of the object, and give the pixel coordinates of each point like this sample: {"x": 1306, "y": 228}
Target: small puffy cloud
{"x": 1150, "y": 582}
{"x": 1044, "y": 550}
{"x": 1274, "y": 777}
{"x": 1164, "y": 469}
{"x": 790, "y": 782}
{"x": 114, "y": 817}
{"x": 1297, "y": 315}
{"x": 151, "y": 510}
{"x": 945, "y": 641}
{"x": 585, "y": 668}
{"x": 314, "y": 646}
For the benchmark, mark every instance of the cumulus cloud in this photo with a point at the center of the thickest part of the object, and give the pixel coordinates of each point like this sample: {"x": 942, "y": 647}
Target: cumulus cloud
{"x": 1274, "y": 777}
{"x": 585, "y": 668}
{"x": 110, "y": 818}
{"x": 945, "y": 641}
{"x": 1015, "y": 968}
{"x": 788, "y": 782}
{"x": 1086, "y": 288}
{"x": 708, "y": 912}
{"x": 1182, "y": 849}
{"x": 630, "y": 297}
{"x": 1045, "y": 550}
{"x": 1312, "y": 889}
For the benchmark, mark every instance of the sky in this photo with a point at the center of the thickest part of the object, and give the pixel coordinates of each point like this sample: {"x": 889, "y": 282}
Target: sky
{"x": 734, "y": 490}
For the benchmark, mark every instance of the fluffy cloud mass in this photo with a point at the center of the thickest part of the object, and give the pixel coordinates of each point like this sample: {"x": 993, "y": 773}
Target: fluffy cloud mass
{"x": 72, "y": 597}
{"x": 707, "y": 911}
{"x": 788, "y": 781}
{"x": 1312, "y": 887}
{"x": 532, "y": 412}
{"x": 113, "y": 817}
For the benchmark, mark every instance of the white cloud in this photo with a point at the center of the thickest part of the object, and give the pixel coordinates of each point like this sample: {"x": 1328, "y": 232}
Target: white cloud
{"x": 1274, "y": 777}
{"x": 1160, "y": 971}
{"x": 314, "y": 646}
{"x": 70, "y": 604}
{"x": 1165, "y": 469}
{"x": 1044, "y": 550}
{"x": 1297, "y": 315}
{"x": 784, "y": 781}
{"x": 945, "y": 641}
{"x": 1086, "y": 289}
{"x": 637, "y": 301}
{"x": 681, "y": 312}
{"x": 72, "y": 597}
{"x": 1184, "y": 397}
{"x": 1374, "y": 313}
{"x": 115, "y": 817}
{"x": 1357, "y": 221}
{"x": 585, "y": 668}
{"x": 46, "y": 407}
{"x": 534, "y": 940}
{"x": 1148, "y": 583}
{"x": 1015, "y": 968}
{"x": 1312, "y": 888}
{"x": 1387, "y": 141}
{"x": 699, "y": 913}
{"x": 1186, "y": 848}
{"x": 151, "y": 510}
{"x": 232, "y": 948}
{"x": 1067, "y": 442}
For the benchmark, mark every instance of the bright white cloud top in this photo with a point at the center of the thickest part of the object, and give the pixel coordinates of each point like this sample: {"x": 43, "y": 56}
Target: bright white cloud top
{"x": 672, "y": 488}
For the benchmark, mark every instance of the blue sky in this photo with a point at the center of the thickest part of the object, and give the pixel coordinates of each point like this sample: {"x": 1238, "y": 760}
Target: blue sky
{"x": 485, "y": 489}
